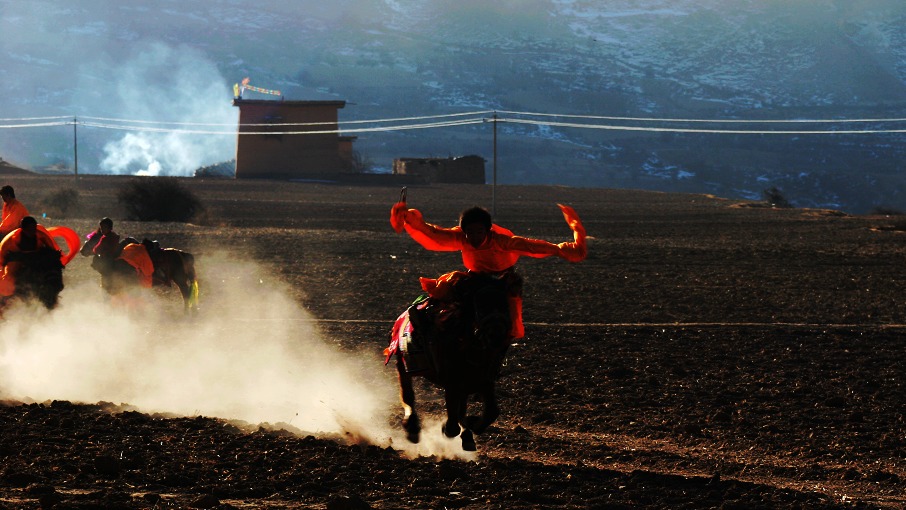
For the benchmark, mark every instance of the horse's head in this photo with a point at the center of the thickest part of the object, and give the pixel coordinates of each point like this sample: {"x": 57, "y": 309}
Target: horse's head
{"x": 151, "y": 246}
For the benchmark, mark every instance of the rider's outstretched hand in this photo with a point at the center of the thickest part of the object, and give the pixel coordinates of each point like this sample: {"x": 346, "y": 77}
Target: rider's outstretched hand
{"x": 398, "y": 212}
{"x": 398, "y": 216}
{"x": 577, "y": 250}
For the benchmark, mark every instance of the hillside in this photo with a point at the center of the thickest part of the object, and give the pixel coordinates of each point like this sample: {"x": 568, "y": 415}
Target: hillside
{"x": 649, "y": 59}
{"x": 706, "y": 354}
{"x": 8, "y": 168}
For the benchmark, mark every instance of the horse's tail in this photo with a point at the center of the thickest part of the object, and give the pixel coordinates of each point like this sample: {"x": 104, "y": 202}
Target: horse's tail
{"x": 193, "y": 294}
{"x": 188, "y": 261}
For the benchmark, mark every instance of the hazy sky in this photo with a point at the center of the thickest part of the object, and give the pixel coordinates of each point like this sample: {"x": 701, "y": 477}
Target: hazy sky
{"x": 175, "y": 61}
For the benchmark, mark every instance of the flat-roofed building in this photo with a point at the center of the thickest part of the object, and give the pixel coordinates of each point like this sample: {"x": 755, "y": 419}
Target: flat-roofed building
{"x": 264, "y": 150}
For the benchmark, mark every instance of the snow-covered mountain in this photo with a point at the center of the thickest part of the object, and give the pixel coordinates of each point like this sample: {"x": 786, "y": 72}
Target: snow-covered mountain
{"x": 176, "y": 60}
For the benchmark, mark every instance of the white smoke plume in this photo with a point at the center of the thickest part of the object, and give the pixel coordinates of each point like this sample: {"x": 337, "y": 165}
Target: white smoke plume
{"x": 180, "y": 91}
{"x": 251, "y": 354}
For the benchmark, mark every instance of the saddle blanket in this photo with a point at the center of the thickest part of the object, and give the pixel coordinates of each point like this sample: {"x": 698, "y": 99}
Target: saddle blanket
{"x": 402, "y": 326}
{"x": 415, "y": 357}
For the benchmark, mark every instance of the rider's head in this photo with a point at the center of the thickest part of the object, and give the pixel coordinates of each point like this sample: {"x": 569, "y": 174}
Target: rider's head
{"x": 106, "y": 225}
{"x": 29, "y": 227}
{"x": 6, "y": 192}
{"x": 475, "y": 223}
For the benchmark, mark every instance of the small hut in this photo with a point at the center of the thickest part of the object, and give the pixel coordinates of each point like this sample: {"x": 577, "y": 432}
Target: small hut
{"x": 459, "y": 170}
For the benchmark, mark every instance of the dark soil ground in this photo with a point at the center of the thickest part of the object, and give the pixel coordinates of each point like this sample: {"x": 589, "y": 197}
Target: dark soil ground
{"x": 708, "y": 354}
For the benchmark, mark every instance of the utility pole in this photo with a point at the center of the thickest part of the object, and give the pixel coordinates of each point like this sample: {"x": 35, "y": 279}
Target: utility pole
{"x": 75, "y": 148}
{"x": 494, "y": 186}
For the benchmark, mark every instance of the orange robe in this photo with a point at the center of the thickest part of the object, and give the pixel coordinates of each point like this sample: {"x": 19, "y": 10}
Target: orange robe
{"x": 13, "y": 212}
{"x": 136, "y": 255}
{"x": 499, "y": 252}
{"x": 10, "y": 245}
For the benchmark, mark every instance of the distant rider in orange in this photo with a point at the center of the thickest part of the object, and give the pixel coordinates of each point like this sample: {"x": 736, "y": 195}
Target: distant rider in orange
{"x": 13, "y": 211}
{"x": 487, "y": 249}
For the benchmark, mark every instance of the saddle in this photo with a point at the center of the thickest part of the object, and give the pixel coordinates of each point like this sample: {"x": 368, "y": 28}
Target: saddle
{"x": 471, "y": 322}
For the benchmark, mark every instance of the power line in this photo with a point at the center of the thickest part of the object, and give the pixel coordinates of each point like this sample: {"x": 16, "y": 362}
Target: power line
{"x": 375, "y": 121}
{"x": 714, "y": 121}
{"x": 42, "y": 124}
{"x": 429, "y": 125}
{"x": 464, "y": 119}
{"x": 710, "y": 131}
{"x": 486, "y": 112}
{"x": 25, "y": 119}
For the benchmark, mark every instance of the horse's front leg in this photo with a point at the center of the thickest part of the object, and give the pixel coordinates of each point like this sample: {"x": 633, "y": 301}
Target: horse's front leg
{"x": 489, "y": 411}
{"x": 455, "y": 402}
{"x": 459, "y": 405}
{"x": 411, "y": 423}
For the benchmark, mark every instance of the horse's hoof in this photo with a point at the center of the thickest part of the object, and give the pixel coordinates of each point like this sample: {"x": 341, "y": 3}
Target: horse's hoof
{"x": 451, "y": 430}
{"x": 468, "y": 441}
{"x": 413, "y": 428}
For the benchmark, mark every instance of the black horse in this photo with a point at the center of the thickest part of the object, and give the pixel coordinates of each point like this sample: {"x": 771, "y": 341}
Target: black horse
{"x": 458, "y": 345}
{"x": 39, "y": 277}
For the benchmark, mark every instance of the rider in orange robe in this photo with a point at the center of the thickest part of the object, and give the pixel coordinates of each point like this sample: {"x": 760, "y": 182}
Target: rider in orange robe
{"x": 29, "y": 238}
{"x": 486, "y": 248}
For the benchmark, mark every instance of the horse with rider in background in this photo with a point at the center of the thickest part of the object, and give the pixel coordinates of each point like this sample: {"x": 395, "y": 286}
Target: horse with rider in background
{"x": 128, "y": 263}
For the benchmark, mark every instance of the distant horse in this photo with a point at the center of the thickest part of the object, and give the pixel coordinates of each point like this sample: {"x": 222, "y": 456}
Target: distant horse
{"x": 169, "y": 266}
{"x": 175, "y": 266}
{"x": 458, "y": 345}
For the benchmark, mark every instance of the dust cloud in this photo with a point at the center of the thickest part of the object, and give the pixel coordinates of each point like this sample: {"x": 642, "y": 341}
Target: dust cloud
{"x": 251, "y": 354}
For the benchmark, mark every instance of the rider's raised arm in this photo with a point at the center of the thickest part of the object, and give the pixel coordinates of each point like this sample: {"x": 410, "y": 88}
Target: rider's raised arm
{"x": 430, "y": 236}
{"x": 573, "y": 251}
{"x": 577, "y": 250}
{"x": 537, "y": 248}
{"x": 433, "y": 237}
{"x": 528, "y": 247}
